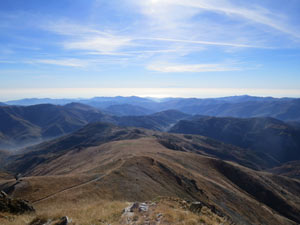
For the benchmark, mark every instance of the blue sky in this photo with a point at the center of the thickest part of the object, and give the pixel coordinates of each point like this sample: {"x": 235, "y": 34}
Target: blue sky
{"x": 160, "y": 48}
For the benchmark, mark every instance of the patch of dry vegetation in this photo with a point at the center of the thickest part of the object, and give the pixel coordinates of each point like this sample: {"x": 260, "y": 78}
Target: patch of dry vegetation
{"x": 142, "y": 169}
{"x": 170, "y": 211}
{"x": 179, "y": 216}
{"x": 102, "y": 212}
{"x": 83, "y": 212}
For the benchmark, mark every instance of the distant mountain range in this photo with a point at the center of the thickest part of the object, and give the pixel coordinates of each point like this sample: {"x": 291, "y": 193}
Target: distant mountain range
{"x": 25, "y": 125}
{"x": 286, "y": 109}
{"x": 268, "y": 135}
{"x": 98, "y": 102}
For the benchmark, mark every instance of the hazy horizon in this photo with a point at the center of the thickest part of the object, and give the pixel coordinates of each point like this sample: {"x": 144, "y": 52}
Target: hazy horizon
{"x": 204, "y": 93}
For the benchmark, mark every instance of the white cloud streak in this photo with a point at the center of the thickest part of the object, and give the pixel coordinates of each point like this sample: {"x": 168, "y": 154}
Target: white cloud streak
{"x": 202, "y": 42}
{"x": 89, "y": 39}
{"x": 102, "y": 45}
{"x": 62, "y": 62}
{"x": 193, "y": 68}
{"x": 255, "y": 14}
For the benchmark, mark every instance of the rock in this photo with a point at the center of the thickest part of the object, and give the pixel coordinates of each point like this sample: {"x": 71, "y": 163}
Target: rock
{"x": 196, "y": 207}
{"x": 63, "y": 221}
{"x": 131, "y": 208}
{"x": 3, "y": 194}
{"x": 143, "y": 207}
{"x": 47, "y": 221}
{"x": 158, "y": 217}
{"x": 40, "y": 221}
{"x": 15, "y": 206}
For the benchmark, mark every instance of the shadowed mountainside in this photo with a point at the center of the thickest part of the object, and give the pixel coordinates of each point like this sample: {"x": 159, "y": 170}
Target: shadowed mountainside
{"x": 99, "y": 133}
{"x": 3, "y": 155}
{"x": 25, "y": 125}
{"x": 289, "y": 169}
{"x": 268, "y": 135}
{"x": 283, "y": 109}
{"x": 160, "y": 121}
{"x": 127, "y": 110}
{"x": 106, "y": 161}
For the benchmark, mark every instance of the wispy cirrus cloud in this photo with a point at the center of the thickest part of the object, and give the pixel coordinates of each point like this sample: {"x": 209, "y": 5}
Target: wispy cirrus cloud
{"x": 256, "y": 14}
{"x": 199, "y": 42}
{"x": 92, "y": 41}
{"x": 100, "y": 44}
{"x": 88, "y": 38}
{"x": 70, "y": 28}
{"x": 179, "y": 13}
{"x": 191, "y": 68}
{"x": 69, "y": 62}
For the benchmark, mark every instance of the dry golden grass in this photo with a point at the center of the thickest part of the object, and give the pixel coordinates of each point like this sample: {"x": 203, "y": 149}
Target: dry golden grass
{"x": 137, "y": 170}
{"x": 100, "y": 212}
{"x": 167, "y": 211}
{"x": 174, "y": 214}
{"x": 82, "y": 212}
{"x": 8, "y": 219}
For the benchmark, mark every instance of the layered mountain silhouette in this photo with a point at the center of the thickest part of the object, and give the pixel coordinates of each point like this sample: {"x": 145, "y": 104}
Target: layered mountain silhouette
{"x": 98, "y": 102}
{"x": 279, "y": 109}
{"x": 237, "y": 106}
{"x": 135, "y": 164}
{"x": 21, "y": 126}
{"x": 267, "y": 135}
{"x": 24, "y": 125}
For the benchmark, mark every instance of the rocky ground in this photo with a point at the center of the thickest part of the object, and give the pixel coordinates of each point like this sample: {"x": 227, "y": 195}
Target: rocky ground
{"x": 171, "y": 211}
{"x": 161, "y": 211}
{"x": 14, "y": 206}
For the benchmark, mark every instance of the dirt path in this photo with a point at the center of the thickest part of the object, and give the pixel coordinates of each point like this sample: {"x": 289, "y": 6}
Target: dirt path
{"x": 67, "y": 189}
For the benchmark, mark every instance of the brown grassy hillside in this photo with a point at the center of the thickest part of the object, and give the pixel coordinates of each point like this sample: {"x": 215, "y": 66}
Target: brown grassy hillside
{"x": 137, "y": 165}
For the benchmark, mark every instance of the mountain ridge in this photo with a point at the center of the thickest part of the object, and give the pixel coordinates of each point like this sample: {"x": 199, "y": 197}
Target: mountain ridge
{"x": 135, "y": 164}
{"x": 238, "y": 106}
{"x": 269, "y": 135}
{"x": 23, "y": 125}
